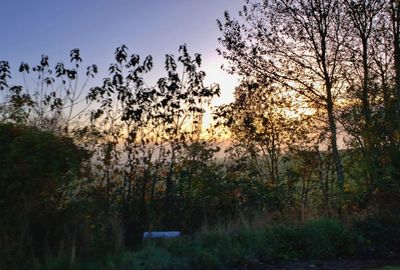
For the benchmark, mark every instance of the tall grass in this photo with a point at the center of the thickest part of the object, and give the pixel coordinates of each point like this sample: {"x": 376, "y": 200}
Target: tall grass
{"x": 222, "y": 248}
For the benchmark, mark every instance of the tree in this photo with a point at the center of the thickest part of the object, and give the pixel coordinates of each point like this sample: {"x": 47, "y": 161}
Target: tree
{"x": 259, "y": 122}
{"x": 264, "y": 134}
{"x": 364, "y": 22}
{"x": 145, "y": 131}
{"x": 36, "y": 167}
{"x": 394, "y": 13}
{"x": 295, "y": 45}
{"x": 50, "y": 98}
{"x": 369, "y": 117}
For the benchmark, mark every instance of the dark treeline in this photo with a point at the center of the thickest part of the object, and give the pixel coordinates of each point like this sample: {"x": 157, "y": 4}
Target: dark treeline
{"x": 314, "y": 131}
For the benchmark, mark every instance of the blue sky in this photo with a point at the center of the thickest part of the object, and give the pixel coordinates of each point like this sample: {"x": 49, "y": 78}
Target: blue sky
{"x": 53, "y": 27}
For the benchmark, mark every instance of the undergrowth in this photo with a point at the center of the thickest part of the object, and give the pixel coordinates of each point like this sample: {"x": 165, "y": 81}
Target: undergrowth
{"x": 321, "y": 239}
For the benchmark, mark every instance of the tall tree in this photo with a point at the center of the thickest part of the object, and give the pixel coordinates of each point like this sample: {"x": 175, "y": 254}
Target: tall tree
{"x": 363, "y": 16}
{"x": 364, "y": 20}
{"x": 296, "y": 45}
{"x": 394, "y": 11}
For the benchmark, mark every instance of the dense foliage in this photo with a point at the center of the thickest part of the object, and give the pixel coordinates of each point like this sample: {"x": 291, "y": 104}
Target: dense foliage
{"x": 340, "y": 61}
{"x": 37, "y": 171}
{"x": 313, "y": 132}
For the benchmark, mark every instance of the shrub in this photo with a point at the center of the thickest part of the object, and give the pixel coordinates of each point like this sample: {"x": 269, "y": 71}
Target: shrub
{"x": 35, "y": 169}
{"x": 325, "y": 239}
{"x": 381, "y": 235}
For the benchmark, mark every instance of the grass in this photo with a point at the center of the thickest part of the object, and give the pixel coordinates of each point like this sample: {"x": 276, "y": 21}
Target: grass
{"x": 323, "y": 239}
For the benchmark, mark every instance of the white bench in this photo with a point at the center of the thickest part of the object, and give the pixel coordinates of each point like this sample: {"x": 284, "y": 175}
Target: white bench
{"x": 166, "y": 234}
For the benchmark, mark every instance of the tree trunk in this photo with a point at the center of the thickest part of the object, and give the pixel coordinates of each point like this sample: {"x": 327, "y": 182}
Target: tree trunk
{"x": 395, "y": 10}
{"x": 365, "y": 95}
{"x": 335, "y": 151}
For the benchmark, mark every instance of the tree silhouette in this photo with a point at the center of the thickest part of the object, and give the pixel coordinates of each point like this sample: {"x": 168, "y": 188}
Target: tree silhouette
{"x": 295, "y": 45}
{"x": 37, "y": 168}
{"x": 49, "y": 97}
{"x": 146, "y": 130}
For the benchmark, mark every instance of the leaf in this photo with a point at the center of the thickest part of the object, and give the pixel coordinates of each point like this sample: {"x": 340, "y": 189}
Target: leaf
{"x": 120, "y": 54}
{"x": 75, "y": 56}
{"x": 44, "y": 62}
{"x": 197, "y": 59}
{"x": 24, "y": 67}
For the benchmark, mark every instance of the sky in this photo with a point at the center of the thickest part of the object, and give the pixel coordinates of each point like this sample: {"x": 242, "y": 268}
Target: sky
{"x": 29, "y": 29}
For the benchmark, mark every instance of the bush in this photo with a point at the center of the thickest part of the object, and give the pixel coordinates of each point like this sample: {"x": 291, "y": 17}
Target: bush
{"x": 35, "y": 168}
{"x": 381, "y": 236}
{"x": 325, "y": 239}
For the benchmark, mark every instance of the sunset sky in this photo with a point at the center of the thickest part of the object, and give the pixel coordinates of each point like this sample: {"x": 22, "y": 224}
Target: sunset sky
{"x": 32, "y": 28}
